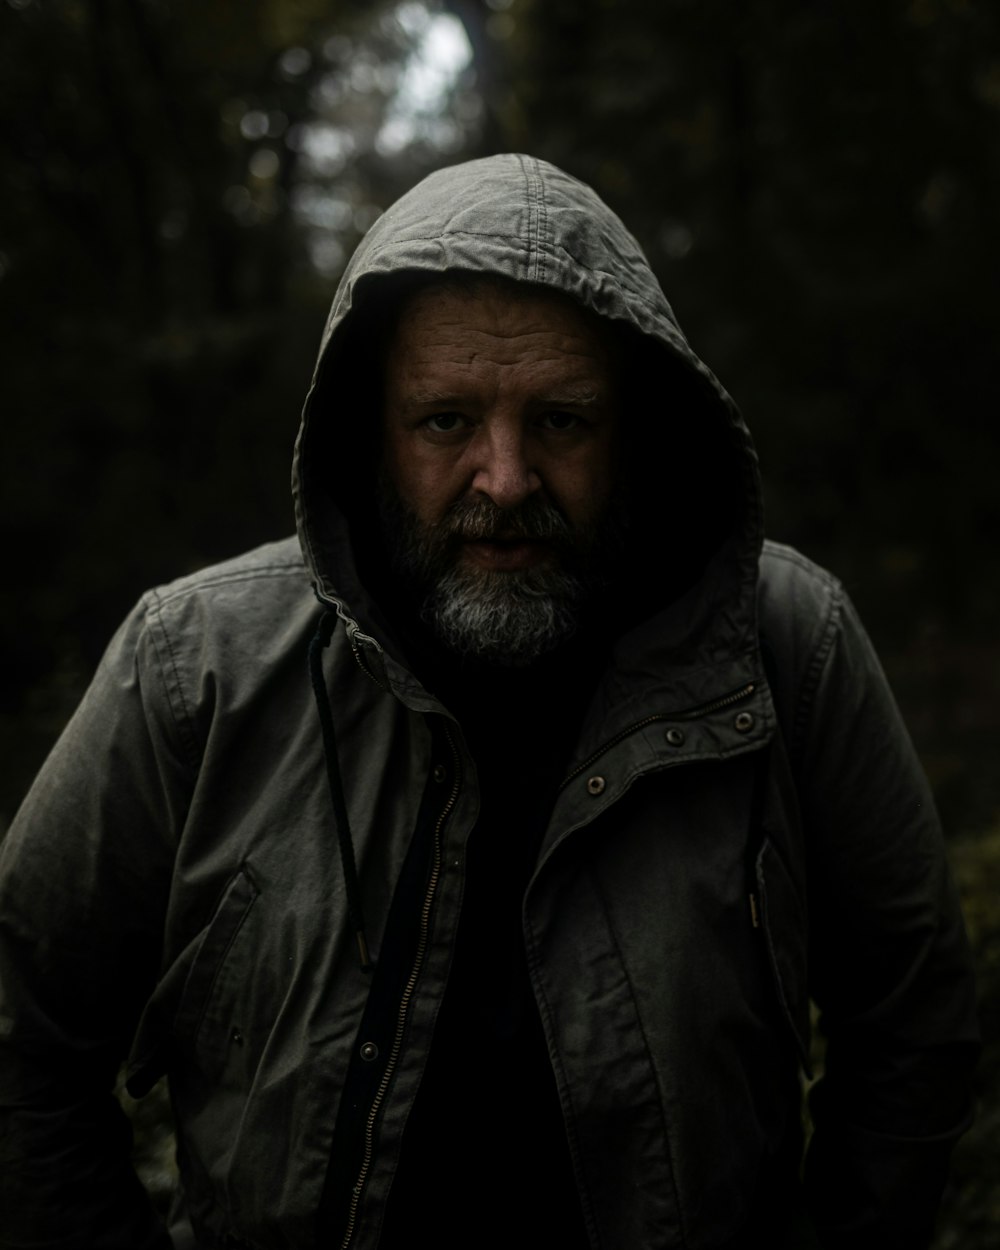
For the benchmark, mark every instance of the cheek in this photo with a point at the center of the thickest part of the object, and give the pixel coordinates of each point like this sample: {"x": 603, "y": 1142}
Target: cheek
{"x": 423, "y": 481}
{"x": 584, "y": 485}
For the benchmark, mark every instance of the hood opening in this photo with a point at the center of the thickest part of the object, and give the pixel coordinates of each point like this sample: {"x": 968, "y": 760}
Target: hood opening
{"x": 683, "y": 458}
{"x": 692, "y": 484}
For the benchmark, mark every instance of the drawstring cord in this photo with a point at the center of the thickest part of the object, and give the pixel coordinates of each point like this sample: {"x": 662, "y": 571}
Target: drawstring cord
{"x": 352, "y": 886}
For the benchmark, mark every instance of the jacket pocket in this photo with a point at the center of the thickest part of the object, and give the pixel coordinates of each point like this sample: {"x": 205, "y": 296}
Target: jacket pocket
{"x": 201, "y": 1022}
{"x": 784, "y": 921}
{"x": 176, "y": 1014}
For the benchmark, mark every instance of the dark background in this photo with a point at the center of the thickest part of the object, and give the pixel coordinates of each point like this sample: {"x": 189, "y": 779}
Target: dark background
{"x": 817, "y": 185}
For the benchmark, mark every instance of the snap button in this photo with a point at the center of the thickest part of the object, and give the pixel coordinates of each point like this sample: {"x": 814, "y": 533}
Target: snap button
{"x": 236, "y": 1037}
{"x": 369, "y": 1051}
{"x": 675, "y": 737}
{"x": 744, "y": 722}
{"x": 595, "y": 785}
{"x": 440, "y": 772}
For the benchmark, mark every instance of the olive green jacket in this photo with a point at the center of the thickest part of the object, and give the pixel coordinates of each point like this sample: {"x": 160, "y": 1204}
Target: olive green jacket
{"x": 743, "y": 827}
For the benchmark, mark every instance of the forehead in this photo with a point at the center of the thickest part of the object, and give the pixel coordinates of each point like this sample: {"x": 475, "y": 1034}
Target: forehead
{"x": 486, "y": 325}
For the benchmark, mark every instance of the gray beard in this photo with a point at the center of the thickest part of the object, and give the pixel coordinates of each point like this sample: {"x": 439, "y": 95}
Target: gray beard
{"x": 506, "y": 618}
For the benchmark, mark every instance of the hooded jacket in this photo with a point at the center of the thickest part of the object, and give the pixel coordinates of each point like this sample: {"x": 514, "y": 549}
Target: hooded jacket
{"x": 743, "y": 827}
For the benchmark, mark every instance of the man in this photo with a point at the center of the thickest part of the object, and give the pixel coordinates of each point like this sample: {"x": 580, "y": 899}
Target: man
{"x": 505, "y": 932}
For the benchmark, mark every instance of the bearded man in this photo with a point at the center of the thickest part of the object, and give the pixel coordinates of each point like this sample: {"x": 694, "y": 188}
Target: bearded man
{"x": 510, "y": 937}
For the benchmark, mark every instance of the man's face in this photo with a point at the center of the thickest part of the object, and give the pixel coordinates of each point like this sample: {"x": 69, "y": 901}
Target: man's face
{"x": 497, "y": 395}
{"x": 500, "y": 447}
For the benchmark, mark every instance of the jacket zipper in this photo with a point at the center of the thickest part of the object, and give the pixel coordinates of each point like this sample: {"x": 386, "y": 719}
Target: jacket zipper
{"x": 404, "y": 1002}
{"x": 362, "y": 662}
{"x": 691, "y": 713}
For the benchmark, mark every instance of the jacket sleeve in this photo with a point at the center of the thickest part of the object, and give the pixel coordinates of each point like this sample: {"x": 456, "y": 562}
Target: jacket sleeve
{"x": 84, "y": 875}
{"x": 890, "y": 967}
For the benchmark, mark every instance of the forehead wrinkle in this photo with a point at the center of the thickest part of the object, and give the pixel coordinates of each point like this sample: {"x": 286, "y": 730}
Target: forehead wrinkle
{"x": 579, "y": 397}
{"x": 450, "y": 349}
{"x": 456, "y": 341}
{"x": 583, "y": 397}
{"x": 431, "y": 396}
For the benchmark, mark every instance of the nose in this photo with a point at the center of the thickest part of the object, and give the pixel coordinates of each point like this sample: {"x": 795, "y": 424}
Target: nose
{"x": 503, "y": 468}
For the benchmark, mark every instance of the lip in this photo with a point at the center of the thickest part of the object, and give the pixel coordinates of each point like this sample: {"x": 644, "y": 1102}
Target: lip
{"x": 505, "y": 556}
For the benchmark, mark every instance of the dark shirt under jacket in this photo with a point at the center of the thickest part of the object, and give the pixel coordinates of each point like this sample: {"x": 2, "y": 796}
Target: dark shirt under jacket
{"x": 485, "y": 1147}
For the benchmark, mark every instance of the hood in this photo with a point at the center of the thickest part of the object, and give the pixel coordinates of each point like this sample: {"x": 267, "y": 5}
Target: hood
{"x": 698, "y": 530}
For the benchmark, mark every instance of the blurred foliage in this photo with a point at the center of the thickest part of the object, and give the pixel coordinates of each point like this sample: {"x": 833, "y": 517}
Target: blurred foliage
{"x": 816, "y": 184}
{"x": 148, "y": 330}
{"x": 174, "y": 181}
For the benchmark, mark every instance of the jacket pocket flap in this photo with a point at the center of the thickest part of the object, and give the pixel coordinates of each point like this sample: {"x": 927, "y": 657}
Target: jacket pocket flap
{"x": 180, "y": 1000}
{"x": 212, "y": 952}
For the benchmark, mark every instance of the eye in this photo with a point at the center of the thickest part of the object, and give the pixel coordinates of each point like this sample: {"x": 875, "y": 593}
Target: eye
{"x": 444, "y": 422}
{"x": 560, "y": 422}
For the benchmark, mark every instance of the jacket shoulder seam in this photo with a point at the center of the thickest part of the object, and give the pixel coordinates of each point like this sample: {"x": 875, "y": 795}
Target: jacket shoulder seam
{"x": 160, "y": 639}
{"x": 817, "y": 661}
{"x": 804, "y": 689}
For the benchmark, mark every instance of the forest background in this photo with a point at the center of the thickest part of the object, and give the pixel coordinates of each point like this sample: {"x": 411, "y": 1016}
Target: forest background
{"x": 816, "y": 184}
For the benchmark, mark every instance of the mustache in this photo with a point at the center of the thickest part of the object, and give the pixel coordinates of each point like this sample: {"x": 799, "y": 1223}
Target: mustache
{"x": 482, "y": 520}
